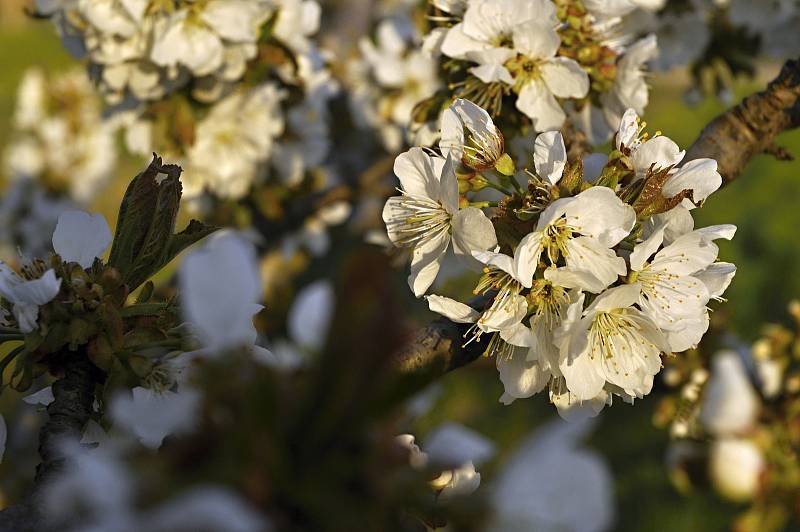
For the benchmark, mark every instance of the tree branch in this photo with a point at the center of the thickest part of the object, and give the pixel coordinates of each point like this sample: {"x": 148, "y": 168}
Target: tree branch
{"x": 68, "y": 413}
{"x": 73, "y": 399}
{"x": 733, "y": 138}
{"x": 750, "y": 128}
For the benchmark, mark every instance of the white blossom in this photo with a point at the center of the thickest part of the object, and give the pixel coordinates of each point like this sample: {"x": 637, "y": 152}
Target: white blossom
{"x": 550, "y": 483}
{"x": 221, "y": 312}
{"x": 426, "y": 217}
{"x": 735, "y": 468}
{"x": 730, "y": 405}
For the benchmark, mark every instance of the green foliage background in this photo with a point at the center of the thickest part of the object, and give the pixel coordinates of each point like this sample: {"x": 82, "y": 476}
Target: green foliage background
{"x": 765, "y": 204}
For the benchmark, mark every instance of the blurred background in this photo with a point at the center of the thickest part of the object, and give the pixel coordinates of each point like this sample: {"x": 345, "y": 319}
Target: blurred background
{"x": 763, "y": 203}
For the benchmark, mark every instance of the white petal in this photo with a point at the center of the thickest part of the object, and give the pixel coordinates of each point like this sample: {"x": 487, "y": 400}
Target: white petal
{"x": 457, "y": 44}
{"x": 452, "y": 134}
{"x": 520, "y": 377}
{"x": 686, "y": 334}
{"x": 700, "y": 176}
{"x": 586, "y": 254}
{"x": 581, "y": 375}
{"x": 614, "y": 298}
{"x": 565, "y": 78}
{"x": 37, "y": 291}
{"x": 644, "y": 250}
{"x": 451, "y": 309}
{"x": 573, "y": 410}
{"x": 498, "y": 260}
{"x": 628, "y": 129}
{"x": 416, "y": 173}
{"x": 578, "y": 279}
{"x": 152, "y": 416}
{"x": 599, "y": 213}
{"x": 222, "y": 312}
{"x": 660, "y": 151}
{"x": 448, "y": 185}
{"x": 539, "y": 104}
{"x": 310, "y": 316}
{"x": 526, "y": 258}
{"x": 43, "y": 397}
{"x": 453, "y": 445}
{"x": 550, "y": 156}
{"x": 81, "y": 237}
{"x": 472, "y": 231}
{"x": 717, "y": 277}
{"x": 425, "y": 262}
{"x": 536, "y": 40}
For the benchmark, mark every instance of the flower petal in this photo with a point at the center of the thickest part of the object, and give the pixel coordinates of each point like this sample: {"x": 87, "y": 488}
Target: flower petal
{"x": 700, "y": 176}
{"x": 472, "y": 231}
{"x": 565, "y": 78}
{"x": 550, "y": 156}
{"x": 415, "y": 171}
{"x": 81, "y": 237}
{"x": 451, "y": 309}
{"x": 539, "y": 104}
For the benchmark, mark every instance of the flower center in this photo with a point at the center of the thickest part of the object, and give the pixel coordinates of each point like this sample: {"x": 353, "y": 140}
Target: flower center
{"x": 426, "y": 219}
{"x": 549, "y": 302}
{"x": 524, "y": 70}
{"x": 556, "y": 237}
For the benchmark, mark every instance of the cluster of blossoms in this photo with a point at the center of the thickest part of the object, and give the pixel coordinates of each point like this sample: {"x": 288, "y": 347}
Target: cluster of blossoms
{"x": 589, "y": 275}
{"x": 551, "y": 59}
{"x": 391, "y": 74}
{"x": 147, "y": 48}
{"x": 234, "y": 90}
{"x": 60, "y": 138}
{"x": 735, "y": 425}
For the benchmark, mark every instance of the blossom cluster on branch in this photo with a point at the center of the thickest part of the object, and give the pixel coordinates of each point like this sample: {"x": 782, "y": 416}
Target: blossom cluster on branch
{"x": 591, "y": 273}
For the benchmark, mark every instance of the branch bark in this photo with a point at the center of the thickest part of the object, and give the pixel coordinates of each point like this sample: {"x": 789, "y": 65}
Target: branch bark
{"x": 68, "y": 413}
{"x": 739, "y": 134}
{"x": 73, "y": 398}
{"x": 733, "y": 139}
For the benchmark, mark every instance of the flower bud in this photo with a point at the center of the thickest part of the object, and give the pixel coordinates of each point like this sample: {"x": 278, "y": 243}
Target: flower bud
{"x": 144, "y": 241}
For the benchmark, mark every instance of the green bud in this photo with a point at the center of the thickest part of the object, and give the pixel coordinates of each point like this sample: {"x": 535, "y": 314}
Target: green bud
{"x": 505, "y": 165}
{"x": 144, "y": 241}
{"x": 140, "y": 366}
{"x": 100, "y": 352}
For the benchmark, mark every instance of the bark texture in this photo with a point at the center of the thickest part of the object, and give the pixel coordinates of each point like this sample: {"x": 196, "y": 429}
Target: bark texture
{"x": 739, "y": 134}
{"x": 68, "y": 413}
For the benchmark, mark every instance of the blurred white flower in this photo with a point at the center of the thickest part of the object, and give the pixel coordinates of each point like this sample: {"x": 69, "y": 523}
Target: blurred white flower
{"x": 451, "y": 445}
{"x": 42, "y": 398}
{"x": 61, "y": 137}
{"x": 227, "y": 158}
{"x": 550, "y": 484}
{"x": 81, "y": 237}
{"x": 453, "y": 451}
{"x": 27, "y": 295}
{"x": 220, "y": 288}
{"x": 310, "y": 315}
{"x": 735, "y": 468}
{"x": 152, "y": 415}
{"x": 730, "y": 405}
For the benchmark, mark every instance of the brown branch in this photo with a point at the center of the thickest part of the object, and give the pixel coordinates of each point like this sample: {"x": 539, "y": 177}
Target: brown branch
{"x": 733, "y": 138}
{"x": 73, "y": 397}
{"x": 739, "y": 134}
